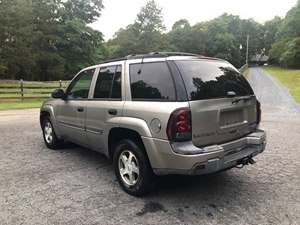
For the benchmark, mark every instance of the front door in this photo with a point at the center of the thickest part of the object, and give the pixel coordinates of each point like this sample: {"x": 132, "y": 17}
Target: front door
{"x": 72, "y": 110}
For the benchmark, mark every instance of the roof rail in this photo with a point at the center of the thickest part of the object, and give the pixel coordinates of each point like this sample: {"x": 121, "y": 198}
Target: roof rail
{"x": 160, "y": 54}
{"x": 152, "y": 55}
{"x": 113, "y": 60}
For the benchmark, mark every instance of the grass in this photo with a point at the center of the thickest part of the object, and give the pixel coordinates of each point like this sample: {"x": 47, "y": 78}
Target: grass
{"x": 13, "y": 95}
{"x": 288, "y": 77}
{"x": 29, "y": 85}
{"x": 9, "y": 91}
{"x": 26, "y": 104}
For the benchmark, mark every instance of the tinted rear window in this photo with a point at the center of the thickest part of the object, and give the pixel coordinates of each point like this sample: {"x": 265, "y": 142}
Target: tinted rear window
{"x": 152, "y": 82}
{"x": 208, "y": 79}
{"x": 108, "y": 83}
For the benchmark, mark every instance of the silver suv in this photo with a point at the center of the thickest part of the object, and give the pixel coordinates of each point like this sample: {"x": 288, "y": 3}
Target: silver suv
{"x": 158, "y": 114}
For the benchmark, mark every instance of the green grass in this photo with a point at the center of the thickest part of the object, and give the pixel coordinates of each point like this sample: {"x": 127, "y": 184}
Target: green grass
{"x": 288, "y": 77}
{"x": 12, "y": 95}
{"x": 7, "y": 94}
{"x": 26, "y": 104}
{"x": 28, "y": 85}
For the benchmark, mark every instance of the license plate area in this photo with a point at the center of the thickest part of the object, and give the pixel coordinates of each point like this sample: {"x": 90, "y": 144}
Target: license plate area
{"x": 228, "y": 118}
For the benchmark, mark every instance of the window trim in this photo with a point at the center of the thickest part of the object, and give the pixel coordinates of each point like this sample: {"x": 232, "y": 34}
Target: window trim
{"x": 110, "y": 93}
{"x": 152, "y": 100}
{"x": 75, "y": 79}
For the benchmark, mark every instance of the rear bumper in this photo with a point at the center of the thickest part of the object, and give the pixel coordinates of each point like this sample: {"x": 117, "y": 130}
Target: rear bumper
{"x": 167, "y": 158}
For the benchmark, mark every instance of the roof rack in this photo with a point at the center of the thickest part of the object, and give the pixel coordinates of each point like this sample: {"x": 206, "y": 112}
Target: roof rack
{"x": 152, "y": 55}
{"x": 160, "y": 54}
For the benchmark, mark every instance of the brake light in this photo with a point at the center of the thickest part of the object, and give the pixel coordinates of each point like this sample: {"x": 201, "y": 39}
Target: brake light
{"x": 180, "y": 125}
{"x": 258, "y": 112}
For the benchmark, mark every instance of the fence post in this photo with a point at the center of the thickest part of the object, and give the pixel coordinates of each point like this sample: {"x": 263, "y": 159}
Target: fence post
{"x": 60, "y": 84}
{"x": 22, "y": 89}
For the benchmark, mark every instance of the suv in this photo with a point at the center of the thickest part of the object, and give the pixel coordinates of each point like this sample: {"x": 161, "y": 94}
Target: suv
{"x": 158, "y": 114}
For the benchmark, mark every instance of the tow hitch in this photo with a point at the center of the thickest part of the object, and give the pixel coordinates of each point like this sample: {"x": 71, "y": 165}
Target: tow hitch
{"x": 245, "y": 161}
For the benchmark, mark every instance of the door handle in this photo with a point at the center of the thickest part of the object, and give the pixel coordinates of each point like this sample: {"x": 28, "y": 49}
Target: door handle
{"x": 80, "y": 109}
{"x": 112, "y": 112}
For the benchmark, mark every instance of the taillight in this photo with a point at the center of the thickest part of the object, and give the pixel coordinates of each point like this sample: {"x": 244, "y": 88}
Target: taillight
{"x": 258, "y": 112}
{"x": 180, "y": 125}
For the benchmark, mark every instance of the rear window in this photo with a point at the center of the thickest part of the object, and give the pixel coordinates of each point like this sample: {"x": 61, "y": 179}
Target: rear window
{"x": 152, "y": 82}
{"x": 209, "y": 79}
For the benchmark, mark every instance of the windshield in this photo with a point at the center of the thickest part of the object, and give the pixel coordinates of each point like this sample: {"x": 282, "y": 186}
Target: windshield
{"x": 208, "y": 79}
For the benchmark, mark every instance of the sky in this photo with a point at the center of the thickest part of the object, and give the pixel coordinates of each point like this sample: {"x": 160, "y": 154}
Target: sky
{"x": 119, "y": 13}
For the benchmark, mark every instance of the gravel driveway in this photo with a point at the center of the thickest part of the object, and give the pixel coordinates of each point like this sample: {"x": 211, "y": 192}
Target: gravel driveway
{"x": 77, "y": 186}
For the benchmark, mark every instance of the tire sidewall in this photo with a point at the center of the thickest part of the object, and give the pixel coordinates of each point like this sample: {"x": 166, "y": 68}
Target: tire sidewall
{"x": 145, "y": 172}
{"x": 54, "y": 143}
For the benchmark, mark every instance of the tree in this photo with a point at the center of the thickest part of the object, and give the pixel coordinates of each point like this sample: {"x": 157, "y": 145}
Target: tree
{"x": 144, "y": 35}
{"x": 277, "y": 49}
{"x": 291, "y": 56}
{"x": 270, "y": 30}
{"x": 181, "y": 37}
{"x": 286, "y": 50}
{"x": 86, "y": 10}
{"x": 48, "y": 39}
{"x": 290, "y": 26}
{"x": 15, "y": 38}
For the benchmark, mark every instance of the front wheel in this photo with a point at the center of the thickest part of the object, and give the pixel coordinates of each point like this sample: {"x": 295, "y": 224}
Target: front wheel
{"x": 49, "y": 135}
{"x": 132, "y": 168}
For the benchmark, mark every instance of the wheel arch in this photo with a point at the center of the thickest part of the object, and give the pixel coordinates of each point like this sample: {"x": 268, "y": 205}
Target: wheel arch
{"x": 48, "y": 111}
{"x": 117, "y": 134}
{"x": 128, "y": 128}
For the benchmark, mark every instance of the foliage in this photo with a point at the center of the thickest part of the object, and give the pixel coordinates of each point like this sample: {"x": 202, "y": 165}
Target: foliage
{"x": 220, "y": 37}
{"x": 286, "y": 49}
{"x": 290, "y": 26}
{"x": 271, "y": 28}
{"x": 51, "y": 39}
{"x": 48, "y": 39}
{"x": 144, "y": 35}
{"x": 291, "y": 56}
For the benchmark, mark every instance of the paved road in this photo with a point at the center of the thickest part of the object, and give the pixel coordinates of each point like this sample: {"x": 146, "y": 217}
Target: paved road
{"x": 275, "y": 98}
{"x": 77, "y": 186}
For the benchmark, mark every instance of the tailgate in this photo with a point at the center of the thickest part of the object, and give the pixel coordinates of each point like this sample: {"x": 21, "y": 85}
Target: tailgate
{"x": 217, "y": 121}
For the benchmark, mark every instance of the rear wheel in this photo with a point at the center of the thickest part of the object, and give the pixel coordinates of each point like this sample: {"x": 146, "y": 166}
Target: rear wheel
{"x": 132, "y": 168}
{"x": 49, "y": 135}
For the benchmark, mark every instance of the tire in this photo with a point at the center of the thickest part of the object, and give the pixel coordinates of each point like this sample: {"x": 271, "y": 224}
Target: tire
{"x": 49, "y": 135}
{"x": 142, "y": 180}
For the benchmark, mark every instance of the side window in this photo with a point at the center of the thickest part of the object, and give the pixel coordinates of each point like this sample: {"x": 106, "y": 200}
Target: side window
{"x": 79, "y": 88}
{"x": 151, "y": 81}
{"x": 108, "y": 83}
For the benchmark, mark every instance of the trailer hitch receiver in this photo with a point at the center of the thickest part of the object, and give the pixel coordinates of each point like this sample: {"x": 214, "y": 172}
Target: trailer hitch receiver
{"x": 245, "y": 161}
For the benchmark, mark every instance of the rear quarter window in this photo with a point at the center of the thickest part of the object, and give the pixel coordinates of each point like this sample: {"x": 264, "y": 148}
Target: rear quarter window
{"x": 151, "y": 82}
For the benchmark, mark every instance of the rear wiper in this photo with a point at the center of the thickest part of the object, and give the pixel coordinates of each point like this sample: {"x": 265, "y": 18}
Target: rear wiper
{"x": 246, "y": 98}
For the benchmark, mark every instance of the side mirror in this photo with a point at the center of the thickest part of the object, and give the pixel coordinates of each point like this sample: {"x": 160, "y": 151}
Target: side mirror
{"x": 58, "y": 93}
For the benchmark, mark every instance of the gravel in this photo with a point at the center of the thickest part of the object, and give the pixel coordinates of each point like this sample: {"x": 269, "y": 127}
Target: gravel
{"x": 78, "y": 186}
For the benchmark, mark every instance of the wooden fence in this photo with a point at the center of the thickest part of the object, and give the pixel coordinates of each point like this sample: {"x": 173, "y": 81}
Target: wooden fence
{"x": 22, "y": 90}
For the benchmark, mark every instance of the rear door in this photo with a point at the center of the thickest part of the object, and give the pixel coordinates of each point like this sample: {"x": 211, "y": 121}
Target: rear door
{"x": 105, "y": 106}
{"x": 222, "y": 103}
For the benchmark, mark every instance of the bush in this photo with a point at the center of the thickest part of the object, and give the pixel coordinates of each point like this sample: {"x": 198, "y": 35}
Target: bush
{"x": 276, "y": 51}
{"x": 3, "y": 70}
{"x": 291, "y": 56}
{"x": 286, "y": 53}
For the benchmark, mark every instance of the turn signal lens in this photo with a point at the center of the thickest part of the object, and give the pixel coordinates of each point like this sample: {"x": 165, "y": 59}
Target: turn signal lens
{"x": 180, "y": 125}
